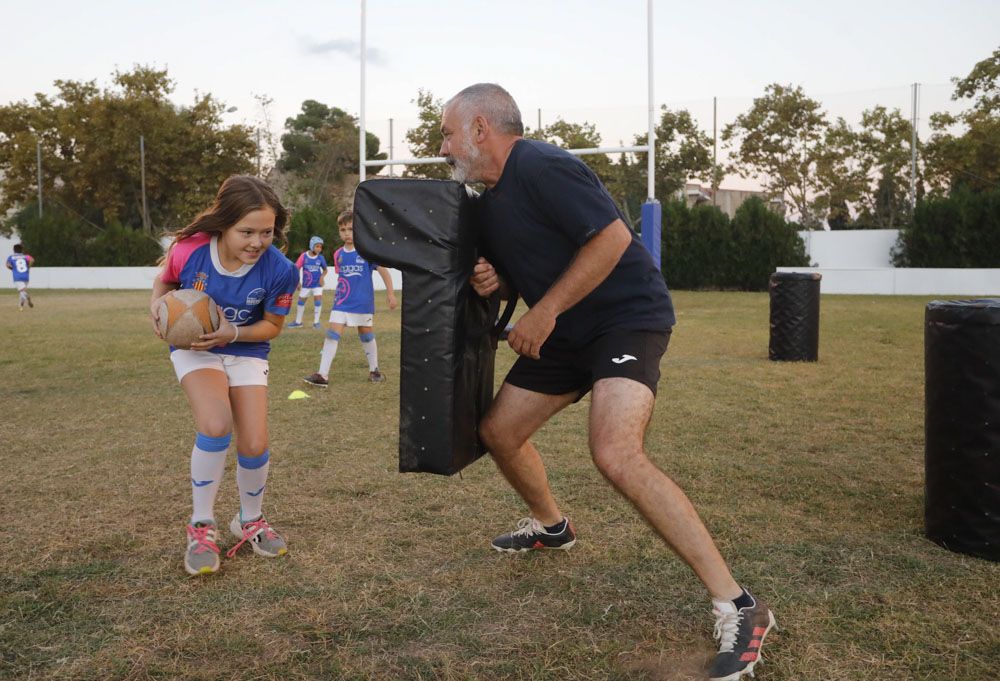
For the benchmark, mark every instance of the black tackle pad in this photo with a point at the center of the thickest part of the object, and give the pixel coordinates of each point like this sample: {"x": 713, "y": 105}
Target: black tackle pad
{"x": 426, "y": 229}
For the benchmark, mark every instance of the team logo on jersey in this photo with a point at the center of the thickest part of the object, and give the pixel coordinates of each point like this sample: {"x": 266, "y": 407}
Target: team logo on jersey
{"x": 351, "y": 270}
{"x": 284, "y": 300}
{"x": 256, "y": 297}
{"x": 343, "y": 290}
{"x": 200, "y": 280}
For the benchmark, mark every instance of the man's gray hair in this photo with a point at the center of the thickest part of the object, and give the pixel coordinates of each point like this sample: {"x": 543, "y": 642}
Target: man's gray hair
{"x": 493, "y": 103}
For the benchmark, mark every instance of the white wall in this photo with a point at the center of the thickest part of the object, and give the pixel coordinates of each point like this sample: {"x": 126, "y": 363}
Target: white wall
{"x": 119, "y": 277}
{"x": 7, "y": 247}
{"x": 907, "y": 281}
{"x": 851, "y": 261}
{"x": 130, "y": 278}
{"x": 852, "y": 248}
{"x": 860, "y": 261}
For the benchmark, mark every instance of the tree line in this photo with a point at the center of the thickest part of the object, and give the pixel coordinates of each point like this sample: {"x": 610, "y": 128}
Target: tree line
{"x": 848, "y": 176}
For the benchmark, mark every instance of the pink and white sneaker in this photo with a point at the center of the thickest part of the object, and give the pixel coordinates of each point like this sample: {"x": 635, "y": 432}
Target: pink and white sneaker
{"x": 202, "y": 555}
{"x": 260, "y": 535}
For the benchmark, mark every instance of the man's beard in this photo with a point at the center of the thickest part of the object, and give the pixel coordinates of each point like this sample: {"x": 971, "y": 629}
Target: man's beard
{"x": 464, "y": 169}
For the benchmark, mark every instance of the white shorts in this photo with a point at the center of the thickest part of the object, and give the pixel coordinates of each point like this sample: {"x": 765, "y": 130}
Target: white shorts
{"x": 351, "y": 318}
{"x": 306, "y": 292}
{"x": 239, "y": 370}
{"x": 20, "y": 285}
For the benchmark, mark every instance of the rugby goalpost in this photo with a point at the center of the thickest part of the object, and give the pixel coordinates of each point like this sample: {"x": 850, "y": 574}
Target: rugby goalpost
{"x": 651, "y": 214}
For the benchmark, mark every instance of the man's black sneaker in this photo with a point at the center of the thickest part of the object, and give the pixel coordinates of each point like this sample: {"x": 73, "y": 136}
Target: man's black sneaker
{"x": 316, "y": 379}
{"x": 741, "y": 633}
{"x": 530, "y": 535}
{"x": 376, "y": 376}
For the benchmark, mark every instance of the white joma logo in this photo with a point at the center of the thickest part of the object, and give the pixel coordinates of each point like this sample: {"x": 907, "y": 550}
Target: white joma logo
{"x": 622, "y": 359}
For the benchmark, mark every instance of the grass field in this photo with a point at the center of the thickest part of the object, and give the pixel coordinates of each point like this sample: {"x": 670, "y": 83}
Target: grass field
{"x": 810, "y": 476}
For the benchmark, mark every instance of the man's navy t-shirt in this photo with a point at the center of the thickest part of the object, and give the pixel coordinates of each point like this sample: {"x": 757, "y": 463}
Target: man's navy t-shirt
{"x": 546, "y": 205}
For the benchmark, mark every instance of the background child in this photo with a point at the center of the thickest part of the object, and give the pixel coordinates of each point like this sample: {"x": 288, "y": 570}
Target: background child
{"x": 228, "y": 253}
{"x": 353, "y": 305}
{"x": 20, "y": 263}
{"x": 313, "y": 267}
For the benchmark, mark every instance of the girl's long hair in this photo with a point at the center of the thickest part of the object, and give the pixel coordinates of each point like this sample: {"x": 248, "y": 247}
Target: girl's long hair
{"x": 238, "y": 195}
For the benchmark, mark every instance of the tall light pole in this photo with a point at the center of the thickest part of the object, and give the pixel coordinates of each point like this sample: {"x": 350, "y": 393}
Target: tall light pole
{"x": 913, "y": 146}
{"x": 258, "y": 152}
{"x": 142, "y": 174}
{"x": 38, "y": 155}
{"x": 715, "y": 149}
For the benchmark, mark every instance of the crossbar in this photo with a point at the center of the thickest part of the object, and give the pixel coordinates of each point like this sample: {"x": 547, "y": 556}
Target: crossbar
{"x": 440, "y": 159}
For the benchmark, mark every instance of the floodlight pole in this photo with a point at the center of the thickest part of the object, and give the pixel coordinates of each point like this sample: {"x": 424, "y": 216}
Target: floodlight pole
{"x": 142, "y": 174}
{"x": 362, "y": 151}
{"x": 913, "y": 146}
{"x": 258, "y": 151}
{"x": 715, "y": 148}
{"x": 38, "y": 154}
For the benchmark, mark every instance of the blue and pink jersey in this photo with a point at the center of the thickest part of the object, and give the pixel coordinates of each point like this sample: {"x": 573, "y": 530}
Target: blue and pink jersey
{"x": 312, "y": 268}
{"x": 355, "y": 291}
{"x": 20, "y": 263}
{"x": 243, "y": 295}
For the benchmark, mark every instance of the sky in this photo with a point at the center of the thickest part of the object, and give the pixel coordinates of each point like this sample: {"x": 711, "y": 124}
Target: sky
{"x": 582, "y": 60}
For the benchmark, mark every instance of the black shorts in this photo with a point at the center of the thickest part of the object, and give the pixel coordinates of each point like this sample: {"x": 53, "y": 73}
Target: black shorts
{"x": 618, "y": 354}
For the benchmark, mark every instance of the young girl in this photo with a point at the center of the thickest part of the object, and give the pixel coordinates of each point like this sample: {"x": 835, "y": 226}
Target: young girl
{"x": 228, "y": 253}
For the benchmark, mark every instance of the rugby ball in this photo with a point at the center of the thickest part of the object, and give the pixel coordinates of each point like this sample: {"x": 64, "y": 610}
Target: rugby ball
{"x": 184, "y": 315}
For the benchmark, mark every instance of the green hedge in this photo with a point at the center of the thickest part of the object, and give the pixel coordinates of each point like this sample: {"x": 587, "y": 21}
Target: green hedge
{"x": 60, "y": 239}
{"x": 704, "y": 249}
{"x": 308, "y": 222}
{"x": 961, "y": 230}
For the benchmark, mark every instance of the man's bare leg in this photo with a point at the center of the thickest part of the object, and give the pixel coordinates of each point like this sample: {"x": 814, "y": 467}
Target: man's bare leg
{"x": 619, "y": 413}
{"x": 514, "y": 416}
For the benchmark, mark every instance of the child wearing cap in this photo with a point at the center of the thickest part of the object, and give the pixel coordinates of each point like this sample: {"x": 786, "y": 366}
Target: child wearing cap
{"x": 312, "y": 268}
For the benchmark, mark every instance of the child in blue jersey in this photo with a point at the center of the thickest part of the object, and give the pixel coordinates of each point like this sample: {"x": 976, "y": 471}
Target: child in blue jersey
{"x": 20, "y": 264}
{"x": 313, "y": 267}
{"x": 228, "y": 253}
{"x": 353, "y": 304}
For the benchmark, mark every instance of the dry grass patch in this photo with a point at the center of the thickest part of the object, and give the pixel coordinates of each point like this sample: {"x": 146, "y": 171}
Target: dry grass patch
{"x": 809, "y": 475}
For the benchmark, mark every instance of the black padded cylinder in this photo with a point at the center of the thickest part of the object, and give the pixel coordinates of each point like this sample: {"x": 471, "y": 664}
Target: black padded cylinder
{"x": 794, "y": 317}
{"x": 962, "y": 426}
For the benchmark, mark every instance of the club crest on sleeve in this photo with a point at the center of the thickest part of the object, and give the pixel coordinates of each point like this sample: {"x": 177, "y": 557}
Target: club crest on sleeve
{"x": 256, "y": 296}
